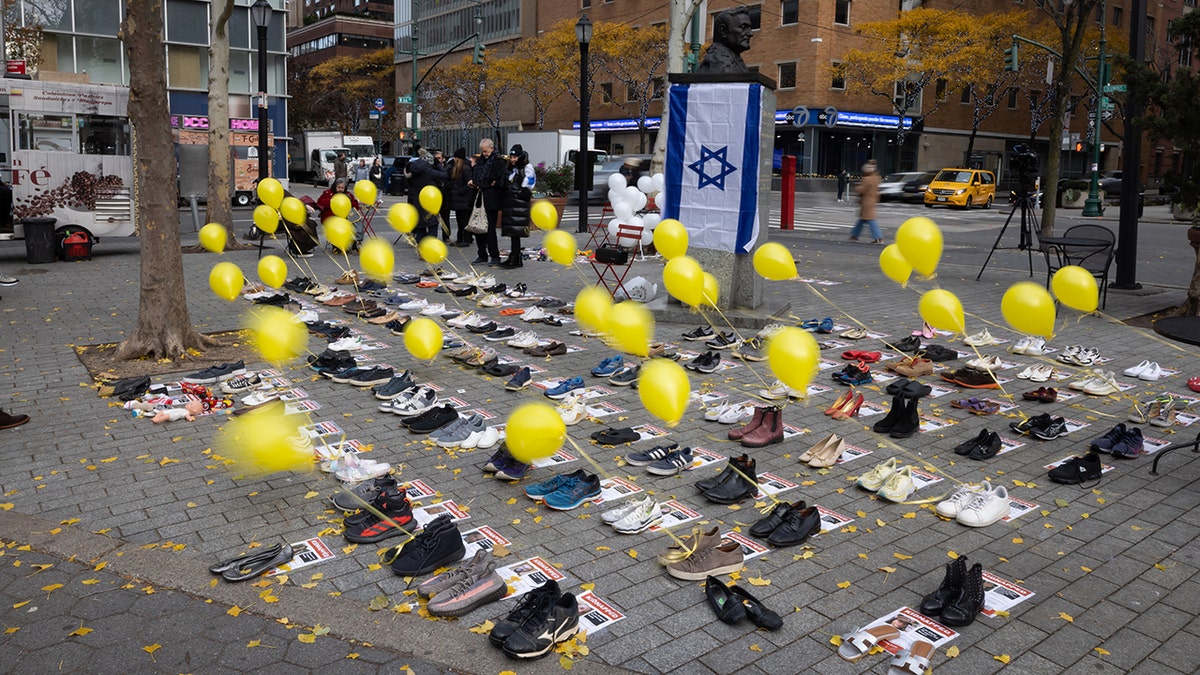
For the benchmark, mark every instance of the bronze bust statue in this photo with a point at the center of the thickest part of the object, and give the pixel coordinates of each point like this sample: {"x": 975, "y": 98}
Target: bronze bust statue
{"x": 731, "y": 37}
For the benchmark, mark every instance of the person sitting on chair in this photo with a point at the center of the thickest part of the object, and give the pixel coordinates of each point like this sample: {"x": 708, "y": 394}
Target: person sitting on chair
{"x": 340, "y": 186}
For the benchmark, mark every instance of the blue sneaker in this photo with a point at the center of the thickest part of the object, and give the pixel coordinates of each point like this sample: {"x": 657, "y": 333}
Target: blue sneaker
{"x": 508, "y": 468}
{"x": 573, "y": 493}
{"x": 538, "y": 491}
{"x": 519, "y": 380}
{"x": 565, "y": 387}
{"x": 642, "y": 458}
{"x": 826, "y": 326}
{"x": 608, "y": 367}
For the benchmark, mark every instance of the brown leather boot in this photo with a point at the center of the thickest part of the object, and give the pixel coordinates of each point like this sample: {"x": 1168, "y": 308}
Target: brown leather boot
{"x": 737, "y": 433}
{"x": 770, "y": 431}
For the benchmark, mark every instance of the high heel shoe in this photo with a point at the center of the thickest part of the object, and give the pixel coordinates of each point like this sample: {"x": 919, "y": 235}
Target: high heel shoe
{"x": 842, "y": 400}
{"x": 850, "y": 409}
{"x": 815, "y": 450}
{"x": 829, "y": 455}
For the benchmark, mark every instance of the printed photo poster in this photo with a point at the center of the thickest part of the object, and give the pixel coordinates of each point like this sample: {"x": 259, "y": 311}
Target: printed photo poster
{"x": 557, "y": 459}
{"x": 527, "y": 575}
{"x": 595, "y": 614}
{"x": 304, "y": 553}
{"x": 482, "y": 538}
{"x": 750, "y": 547}
{"x": 832, "y": 520}
{"x": 612, "y": 489}
{"x": 1000, "y": 594}
{"x": 674, "y": 515}
{"x": 913, "y": 626}
{"x": 424, "y": 514}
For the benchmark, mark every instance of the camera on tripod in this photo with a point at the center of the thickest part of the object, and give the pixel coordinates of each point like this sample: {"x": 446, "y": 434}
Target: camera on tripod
{"x": 1025, "y": 164}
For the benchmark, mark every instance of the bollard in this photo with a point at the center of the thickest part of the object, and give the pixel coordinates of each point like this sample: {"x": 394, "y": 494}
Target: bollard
{"x": 787, "y": 197}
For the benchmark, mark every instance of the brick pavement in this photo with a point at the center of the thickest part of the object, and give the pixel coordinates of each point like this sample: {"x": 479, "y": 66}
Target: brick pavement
{"x": 1135, "y": 534}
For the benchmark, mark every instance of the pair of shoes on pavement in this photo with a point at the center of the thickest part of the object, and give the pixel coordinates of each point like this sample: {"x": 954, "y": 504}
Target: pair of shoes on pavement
{"x": 503, "y": 466}
{"x": 662, "y": 460}
{"x": 634, "y": 516}
{"x": 542, "y": 619}
{"x": 565, "y": 491}
{"x": 472, "y": 584}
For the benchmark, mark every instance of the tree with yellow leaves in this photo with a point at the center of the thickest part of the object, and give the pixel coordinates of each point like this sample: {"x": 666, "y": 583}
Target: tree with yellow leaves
{"x": 635, "y": 58}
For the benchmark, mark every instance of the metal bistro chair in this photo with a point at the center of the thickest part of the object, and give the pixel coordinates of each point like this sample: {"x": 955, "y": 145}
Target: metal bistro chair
{"x": 1093, "y": 258}
{"x": 612, "y": 274}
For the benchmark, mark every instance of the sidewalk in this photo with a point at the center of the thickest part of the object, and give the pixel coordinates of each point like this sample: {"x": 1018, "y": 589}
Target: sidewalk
{"x": 1120, "y": 561}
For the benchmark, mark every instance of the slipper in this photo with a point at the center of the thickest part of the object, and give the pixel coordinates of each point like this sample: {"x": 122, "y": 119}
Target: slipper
{"x": 253, "y": 566}
{"x": 914, "y": 660}
{"x": 966, "y": 403}
{"x": 217, "y": 568}
{"x": 427, "y": 284}
{"x": 865, "y": 357}
{"x": 856, "y": 645}
{"x": 511, "y": 311}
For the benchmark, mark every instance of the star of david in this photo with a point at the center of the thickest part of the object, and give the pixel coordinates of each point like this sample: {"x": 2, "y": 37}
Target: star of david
{"x": 723, "y": 166}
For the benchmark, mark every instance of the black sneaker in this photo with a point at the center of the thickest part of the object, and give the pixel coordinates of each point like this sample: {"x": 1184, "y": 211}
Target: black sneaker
{"x": 391, "y": 502}
{"x": 549, "y": 303}
{"x": 397, "y": 326}
{"x": 277, "y": 300}
{"x": 626, "y": 376}
{"x": 909, "y": 344}
{"x": 299, "y": 284}
{"x": 395, "y": 386}
{"x": 519, "y": 380}
{"x": 439, "y": 544}
{"x": 1077, "y": 470}
{"x": 341, "y": 375}
{"x": 1026, "y": 425}
{"x": 534, "y": 602}
{"x": 1055, "y": 428}
{"x": 966, "y": 447}
{"x": 500, "y": 334}
{"x": 542, "y": 631}
{"x": 433, "y": 419}
{"x": 722, "y": 341}
{"x": 483, "y": 328}
{"x": 370, "y": 377}
{"x": 701, "y": 333}
{"x": 216, "y": 374}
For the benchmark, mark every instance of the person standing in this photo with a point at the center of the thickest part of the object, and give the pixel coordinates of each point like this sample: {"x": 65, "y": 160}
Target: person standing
{"x": 340, "y": 170}
{"x": 459, "y": 197}
{"x": 868, "y": 198}
{"x": 518, "y": 195}
{"x": 423, "y": 171}
{"x": 377, "y": 174}
{"x": 362, "y": 171}
{"x": 488, "y": 178}
{"x": 843, "y": 179}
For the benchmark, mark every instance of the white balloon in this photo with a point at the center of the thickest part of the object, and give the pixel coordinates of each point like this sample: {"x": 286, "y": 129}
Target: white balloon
{"x": 659, "y": 181}
{"x": 631, "y": 193}
{"x": 616, "y": 196}
{"x": 613, "y": 229}
{"x": 646, "y": 184}
{"x": 616, "y": 182}
{"x": 639, "y": 202}
{"x": 638, "y": 221}
{"x": 647, "y": 237}
{"x": 651, "y": 220}
{"x": 623, "y": 211}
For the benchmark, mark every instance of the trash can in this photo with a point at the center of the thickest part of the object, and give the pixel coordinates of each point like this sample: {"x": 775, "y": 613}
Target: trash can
{"x": 40, "y": 246}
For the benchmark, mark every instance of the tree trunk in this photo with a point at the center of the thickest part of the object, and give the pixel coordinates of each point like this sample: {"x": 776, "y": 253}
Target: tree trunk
{"x": 220, "y": 179}
{"x": 1191, "y": 306}
{"x": 163, "y": 329}
{"x": 677, "y": 24}
{"x": 1053, "y": 161}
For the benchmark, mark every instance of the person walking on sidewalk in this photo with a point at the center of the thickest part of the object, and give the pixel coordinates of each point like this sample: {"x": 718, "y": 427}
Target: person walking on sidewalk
{"x": 868, "y": 198}
{"x": 843, "y": 179}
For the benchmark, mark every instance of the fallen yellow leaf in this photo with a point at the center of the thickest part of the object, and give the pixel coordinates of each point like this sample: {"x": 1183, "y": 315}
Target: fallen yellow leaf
{"x": 843, "y": 584}
{"x": 758, "y": 581}
{"x": 483, "y": 628}
{"x": 1003, "y": 658}
{"x": 633, "y": 554}
{"x": 1066, "y": 617}
{"x": 901, "y": 556}
{"x": 755, "y": 648}
{"x": 150, "y": 649}
{"x": 80, "y": 631}
{"x": 309, "y": 638}
{"x": 234, "y": 611}
{"x": 952, "y": 651}
{"x": 1101, "y": 651}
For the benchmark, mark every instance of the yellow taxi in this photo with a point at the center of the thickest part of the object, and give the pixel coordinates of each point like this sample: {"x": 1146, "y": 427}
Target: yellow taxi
{"x": 961, "y": 187}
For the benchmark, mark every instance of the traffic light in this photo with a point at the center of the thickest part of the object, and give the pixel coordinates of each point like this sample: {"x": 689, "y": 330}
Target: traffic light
{"x": 1010, "y": 58}
{"x": 480, "y": 52}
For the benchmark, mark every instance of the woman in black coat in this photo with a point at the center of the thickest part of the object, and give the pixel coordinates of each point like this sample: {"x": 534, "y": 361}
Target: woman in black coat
{"x": 518, "y": 194}
{"x": 488, "y": 178}
{"x": 460, "y": 198}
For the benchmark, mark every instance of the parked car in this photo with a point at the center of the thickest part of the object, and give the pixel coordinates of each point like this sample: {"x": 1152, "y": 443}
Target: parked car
{"x": 1111, "y": 183}
{"x": 640, "y": 165}
{"x": 914, "y": 190}
{"x": 393, "y": 176}
{"x": 961, "y": 187}
{"x": 892, "y": 186}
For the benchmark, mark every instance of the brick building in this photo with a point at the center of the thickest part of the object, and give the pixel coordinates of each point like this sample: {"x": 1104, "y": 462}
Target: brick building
{"x": 323, "y": 29}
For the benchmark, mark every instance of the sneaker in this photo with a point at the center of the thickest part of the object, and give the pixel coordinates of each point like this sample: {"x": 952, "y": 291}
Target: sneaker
{"x": 531, "y": 604}
{"x": 6, "y": 280}
{"x": 500, "y": 334}
{"x": 422, "y": 399}
{"x": 533, "y": 314}
{"x": 554, "y": 622}
{"x": 519, "y": 380}
{"x": 1107, "y": 441}
{"x": 646, "y": 457}
{"x": 351, "y": 468}
{"x": 985, "y": 508}
{"x": 722, "y": 341}
{"x": 645, "y": 514}
{"x": 394, "y": 504}
{"x": 523, "y": 340}
{"x": 446, "y": 580}
{"x": 572, "y": 410}
{"x": 456, "y": 437}
{"x": 478, "y": 587}
{"x": 609, "y": 366}
{"x": 874, "y": 479}
{"x": 370, "y": 377}
{"x": 241, "y": 383}
{"x": 898, "y": 486}
{"x": 573, "y": 493}
{"x": 341, "y": 375}
{"x": 672, "y": 464}
{"x": 1077, "y": 470}
{"x": 750, "y": 350}
{"x": 778, "y": 391}
{"x": 736, "y": 413}
{"x": 462, "y": 320}
{"x": 395, "y": 387}
{"x": 1130, "y": 445}
{"x": 215, "y": 374}
{"x": 483, "y": 439}
{"x": 490, "y": 300}
{"x": 722, "y": 558}
{"x": 950, "y": 508}
{"x": 508, "y": 468}
{"x": 626, "y": 376}
{"x": 771, "y": 329}
{"x": 347, "y": 344}
{"x": 1055, "y": 428}
{"x": 700, "y": 333}
{"x": 440, "y": 543}
{"x": 538, "y": 491}
{"x": 981, "y": 339}
{"x": 414, "y": 305}
{"x": 564, "y": 387}
{"x": 1035, "y": 347}
{"x": 364, "y": 493}
{"x": 1103, "y": 384}
{"x": 260, "y": 398}
{"x": 707, "y": 363}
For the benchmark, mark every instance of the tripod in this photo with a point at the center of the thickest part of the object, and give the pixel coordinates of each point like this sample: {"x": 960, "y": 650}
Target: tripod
{"x": 1025, "y": 204}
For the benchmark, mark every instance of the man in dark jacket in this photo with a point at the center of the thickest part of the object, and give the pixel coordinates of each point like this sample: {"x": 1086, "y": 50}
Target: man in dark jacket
{"x": 488, "y": 177}
{"x": 424, "y": 171}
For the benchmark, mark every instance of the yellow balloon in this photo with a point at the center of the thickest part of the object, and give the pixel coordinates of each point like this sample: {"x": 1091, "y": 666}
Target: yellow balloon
{"x": 941, "y": 309}
{"x": 293, "y": 210}
{"x": 432, "y": 250}
{"x": 213, "y": 237}
{"x": 266, "y": 218}
{"x": 431, "y": 199}
{"x": 339, "y": 232}
{"x": 265, "y": 441}
{"x": 670, "y": 238}
{"x": 340, "y": 205}
{"x": 920, "y": 241}
{"x": 226, "y": 280}
{"x": 793, "y": 355}
{"x": 270, "y": 192}
{"x": 664, "y": 389}
{"x": 366, "y": 192}
{"x": 1076, "y": 288}
{"x": 534, "y": 431}
{"x": 1029, "y": 308}
{"x": 544, "y": 215}
{"x": 632, "y": 327}
{"x": 561, "y": 247}
{"x": 272, "y": 270}
{"x": 774, "y": 261}
{"x": 402, "y": 217}
{"x": 893, "y": 264}
{"x": 423, "y": 338}
{"x": 712, "y": 290}
{"x": 684, "y": 280}
{"x": 377, "y": 259}
{"x": 593, "y": 308}
{"x": 277, "y": 334}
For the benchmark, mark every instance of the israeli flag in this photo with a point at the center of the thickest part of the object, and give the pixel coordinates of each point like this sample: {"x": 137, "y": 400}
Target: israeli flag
{"x": 712, "y": 163}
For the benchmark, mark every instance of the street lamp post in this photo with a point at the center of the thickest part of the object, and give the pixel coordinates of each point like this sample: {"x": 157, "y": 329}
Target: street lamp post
{"x": 260, "y": 13}
{"x": 583, "y": 33}
{"x": 1093, "y": 207}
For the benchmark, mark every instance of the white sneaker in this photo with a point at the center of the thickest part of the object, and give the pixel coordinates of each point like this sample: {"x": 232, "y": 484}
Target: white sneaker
{"x": 572, "y": 410}
{"x": 486, "y": 281}
{"x": 981, "y": 339}
{"x": 645, "y": 514}
{"x": 770, "y": 329}
{"x": 434, "y": 310}
{"x": 736, "y": 413}
{"x": 1104, "y": 384}
{"x": 351, "y": 343}
{"x": 1019, "y": 346}
{"x": 985, "y": 508}
{"x": 713, "y": 412}
{"x": 356, "y": 470}
{"x": 1151, "y": 374}
{"x": 1041, "y": 373}
{"x": 524, "y": 340}
{"x": 462, "y": 320}
{"x": 898, "y": 486}
{"x": 533, "y": 314}
{"x": 614, "y": 515}
{"x": 1068, "y": 354}
{"x": 414, "y": 305}
{"x": 260, "y": 398}
{"x": 1081, "y": 384}
{"x": 1036, "y": 346}
{"x": 777, "y": 391}
{"x": 1086, "y": 356}
{"x": 951, "y": 507}
{"x": 307, "y": 316}
{"x": 482, "y": 440}
{"x": 490, "y": 300}
{"x": 422, "y": 399}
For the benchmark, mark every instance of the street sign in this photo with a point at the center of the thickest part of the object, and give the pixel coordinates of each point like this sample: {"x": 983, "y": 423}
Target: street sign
{"x": 374, "y": 114}
{"x": 380, "y": 104}
{"x": 1116, "y": 88}
{"x": 1106, "y": 103}
{"x": 405, "y": 99}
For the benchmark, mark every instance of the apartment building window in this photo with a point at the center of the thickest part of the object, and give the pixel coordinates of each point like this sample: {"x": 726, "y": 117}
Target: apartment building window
{"x": 630, "y": 94}
{"x": 841, "y": 13}
{"x": 966, "y": 94}
{"x": 1117, "y": 15}
{"x": 658, "y": 88}
{"x": 1012, "y": 98}
{"x": 755, "y": 17}
{"x": 1185, "y": 53}
{"x": 586, "y": 4}
{"x": 1035, "y": 98}
{"x": 838, "y": 81}
{"x": 940, "y": 88}
{"x": 789, "y": 12}
{"x": 906, "y": 96}
{"x": 606, "y": 93}
{"x": 787, "y": 75}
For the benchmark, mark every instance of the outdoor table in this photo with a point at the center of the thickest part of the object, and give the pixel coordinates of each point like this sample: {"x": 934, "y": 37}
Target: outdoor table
{"x": 1076, "y": 242}
{"x": 1184, "y": 329}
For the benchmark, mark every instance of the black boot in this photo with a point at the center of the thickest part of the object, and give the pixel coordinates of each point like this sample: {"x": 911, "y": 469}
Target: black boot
{"x": 734, "y": 486}
{"x": 962, "y": 611}
{"x": 909, "y": 422}
{"x": 952, "y": 583}
{"x": 893, "y": 417}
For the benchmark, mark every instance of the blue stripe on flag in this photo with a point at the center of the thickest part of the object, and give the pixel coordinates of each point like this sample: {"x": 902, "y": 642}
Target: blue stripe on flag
{"x": 748, "y": 208}
{"x": 675, "y": 148}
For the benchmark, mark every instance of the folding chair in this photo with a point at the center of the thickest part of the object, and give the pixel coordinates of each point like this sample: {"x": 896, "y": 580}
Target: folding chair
{"x": 612, "y": 275}
{"x": 599, "y": 230}
{"x": 365, "y": 216}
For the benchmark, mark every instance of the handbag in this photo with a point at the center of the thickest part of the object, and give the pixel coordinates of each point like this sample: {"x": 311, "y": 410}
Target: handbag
{"x": 612, "y": 255}
{"x": 477, "y": 223}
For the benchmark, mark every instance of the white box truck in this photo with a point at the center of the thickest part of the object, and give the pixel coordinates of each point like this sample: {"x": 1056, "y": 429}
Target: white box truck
{"x": 554, "y": 148}
{"x": 311, "y": 154}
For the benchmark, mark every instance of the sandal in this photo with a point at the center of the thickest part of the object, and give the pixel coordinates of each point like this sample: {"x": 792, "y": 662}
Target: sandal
{"x": 914, "y": 660}
{"x": 218, "y": 568}
{"x": 857, "y": 644}
{"x": 860, "y": 333}
{"x": 249, "y": 567}
{"x": 511, "y": 311}
{"x": 966, "y": 403}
